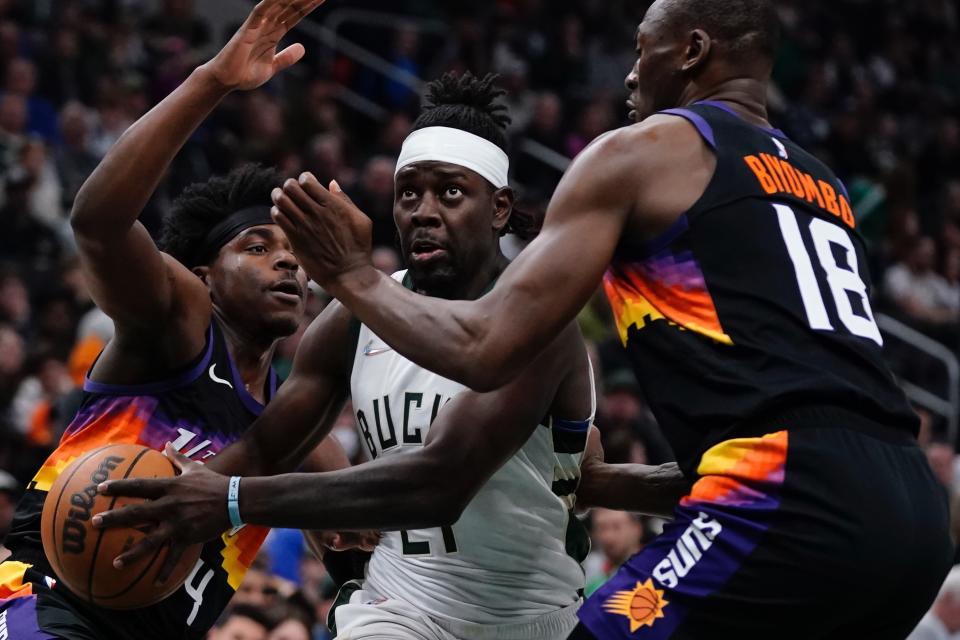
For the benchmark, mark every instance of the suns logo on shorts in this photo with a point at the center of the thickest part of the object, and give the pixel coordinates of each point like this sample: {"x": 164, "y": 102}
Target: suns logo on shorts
{"x": 643, "y": 605}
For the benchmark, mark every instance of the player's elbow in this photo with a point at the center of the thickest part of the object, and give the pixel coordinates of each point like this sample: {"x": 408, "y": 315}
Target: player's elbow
{"x": 84, "y": 220}
{"x": 450, "y": 507}
{"x": 486, "y": 370}
{"x": 448, "y": 494}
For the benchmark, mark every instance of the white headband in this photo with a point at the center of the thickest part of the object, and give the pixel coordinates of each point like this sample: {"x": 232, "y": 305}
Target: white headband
{"x": 445, "y": 144}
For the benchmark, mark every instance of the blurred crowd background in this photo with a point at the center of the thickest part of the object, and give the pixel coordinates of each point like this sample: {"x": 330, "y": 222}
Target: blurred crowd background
{"x": 872, "y": 88}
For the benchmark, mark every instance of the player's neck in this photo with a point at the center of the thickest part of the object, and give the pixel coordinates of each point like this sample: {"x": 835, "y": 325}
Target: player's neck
{"x": 251, "y": 354}
{"x": 746, "y": 96}
{"x": 480, "y": 279}
{"x": 474, "y": 284}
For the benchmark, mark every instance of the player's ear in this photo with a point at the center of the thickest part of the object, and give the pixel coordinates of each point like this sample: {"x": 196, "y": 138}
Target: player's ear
{"x": 503, "y": 200}
{"x": 699, "y": 45}
{"x": 202, "y": 272}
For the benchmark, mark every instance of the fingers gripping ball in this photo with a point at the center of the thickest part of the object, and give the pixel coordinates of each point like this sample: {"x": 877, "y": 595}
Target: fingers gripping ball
{"x": 81, "y": 556}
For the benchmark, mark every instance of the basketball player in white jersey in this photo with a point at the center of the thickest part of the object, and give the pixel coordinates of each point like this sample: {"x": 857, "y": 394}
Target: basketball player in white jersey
{"x": 477, "y": 489}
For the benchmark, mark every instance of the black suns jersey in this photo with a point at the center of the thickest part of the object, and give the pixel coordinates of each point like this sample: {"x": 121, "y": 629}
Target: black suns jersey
{"x": 201, "y": 411}
{"x": 755, "y": 306}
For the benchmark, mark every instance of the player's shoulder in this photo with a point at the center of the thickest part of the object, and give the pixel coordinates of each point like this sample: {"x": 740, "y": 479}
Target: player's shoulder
{"x": 644, "y": 142}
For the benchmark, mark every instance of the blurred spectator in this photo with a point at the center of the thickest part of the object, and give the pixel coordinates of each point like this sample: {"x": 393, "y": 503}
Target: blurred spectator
{"x": 385, "y": 259}
{"x": 45, "y": 193}
{"x": 327, "y": 161}
{"x": 943, "y": 461}
{"x": 26, "y": 240}
{"x": 176, "y": 20}
{"x": 404, "y": 57}
{"x": 14, "y": 302}
{"x": 294, "y": 619}
{"x": 943, "y": 620}
{"x": 75, "y": 160}
{"x": 9, "y": 495}
{"x": 259, "y": 587}
{"x": 920, "y": 292}
{"x": 21, "y": 80}
{"x": 617, "y": 536}
{"x": 37, "y": 405}
{"x": 13, "y": 125}
{"x": 291, "y": 629}
{"x": 241, "y": 622}
{"x": 285, "y": 549}
{"x": 628, "y": 430}
{"x": 374, "y": 196}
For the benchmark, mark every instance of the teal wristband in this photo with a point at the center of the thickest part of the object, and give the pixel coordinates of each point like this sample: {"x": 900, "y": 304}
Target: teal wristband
{"x": 233, "y": 502}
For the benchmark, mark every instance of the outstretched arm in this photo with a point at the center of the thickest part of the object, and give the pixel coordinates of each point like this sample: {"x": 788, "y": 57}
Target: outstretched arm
{"x": 486, "y": 342}
{"x": 639, "y": 488}
{"x": 306, "y": 405}
{"x": 429, "y": 487}
{"x": 143, "y": 290}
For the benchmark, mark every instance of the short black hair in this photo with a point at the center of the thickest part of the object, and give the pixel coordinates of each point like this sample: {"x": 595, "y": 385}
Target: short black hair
{"x": 472, "y": 104}
{"x": 247, "y": 611}
{"x": 746, "y": 27}
{"x": 203, "y": 205}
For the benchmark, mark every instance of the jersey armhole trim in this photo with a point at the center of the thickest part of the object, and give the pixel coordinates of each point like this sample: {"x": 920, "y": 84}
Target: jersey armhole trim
{"x": 152, "y": 388}
{"x": 700, "y": 124}
{"x": 719, "y": 105}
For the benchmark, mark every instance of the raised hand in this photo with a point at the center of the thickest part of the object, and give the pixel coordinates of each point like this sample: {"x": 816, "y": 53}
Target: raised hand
{"x": 329, "y": 234}
{"x": 250, "y": 58}
{"x": 186, "y": 509}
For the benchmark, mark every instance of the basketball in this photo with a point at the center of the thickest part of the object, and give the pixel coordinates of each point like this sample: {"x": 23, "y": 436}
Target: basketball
{"x": 82, "y": 556}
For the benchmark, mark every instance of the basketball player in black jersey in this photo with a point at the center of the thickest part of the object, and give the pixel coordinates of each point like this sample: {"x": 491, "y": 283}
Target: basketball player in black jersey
{"x": 739, "y": 284}
{"x": 196, "y": 325}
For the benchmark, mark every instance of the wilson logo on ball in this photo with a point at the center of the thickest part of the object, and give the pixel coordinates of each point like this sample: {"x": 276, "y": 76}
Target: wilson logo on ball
{"x": 81, "y": 503}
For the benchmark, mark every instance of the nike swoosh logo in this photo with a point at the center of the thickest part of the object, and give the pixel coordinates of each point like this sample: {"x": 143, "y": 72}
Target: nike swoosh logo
{"x": 370, "y": 351}
{"x": 214, "y": 377}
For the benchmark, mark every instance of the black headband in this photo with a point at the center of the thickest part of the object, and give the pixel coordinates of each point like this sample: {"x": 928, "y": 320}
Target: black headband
{"x": 229, "y": 228}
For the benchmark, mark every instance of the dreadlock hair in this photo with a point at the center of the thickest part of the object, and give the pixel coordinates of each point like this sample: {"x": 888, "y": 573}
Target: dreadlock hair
{"x": 203, "y": 205}
{"x": 471, "y": 104}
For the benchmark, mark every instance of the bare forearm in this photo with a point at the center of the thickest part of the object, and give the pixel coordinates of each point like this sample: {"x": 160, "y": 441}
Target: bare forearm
{"x": 292, "y": 426}
{"x": 633, "y": 487}
{"x": 460, "y": 346}
{"x": 402, "y": 492}
{"x": 113, "y": 196}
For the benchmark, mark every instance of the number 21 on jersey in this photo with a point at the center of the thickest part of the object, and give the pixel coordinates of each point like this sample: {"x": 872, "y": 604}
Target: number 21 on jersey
{"x": 837, "y": 259}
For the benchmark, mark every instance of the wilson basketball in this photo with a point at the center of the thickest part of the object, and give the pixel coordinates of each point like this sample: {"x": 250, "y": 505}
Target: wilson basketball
{"x": 82, "y": 556}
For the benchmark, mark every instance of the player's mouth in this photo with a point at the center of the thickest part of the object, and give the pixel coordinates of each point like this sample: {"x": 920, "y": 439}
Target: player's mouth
{"x": 633, "y": 110}
{"x": 288, "y": 291}
{"x": 424, "y": 250}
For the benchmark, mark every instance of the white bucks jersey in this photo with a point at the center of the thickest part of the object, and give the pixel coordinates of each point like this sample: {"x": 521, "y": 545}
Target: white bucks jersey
{"x": 515, "y": 552}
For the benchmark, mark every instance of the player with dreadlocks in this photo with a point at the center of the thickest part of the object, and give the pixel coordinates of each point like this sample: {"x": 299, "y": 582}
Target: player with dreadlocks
{"x": 478, "y": 488}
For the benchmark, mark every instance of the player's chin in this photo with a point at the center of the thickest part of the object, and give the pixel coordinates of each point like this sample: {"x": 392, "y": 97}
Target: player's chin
{"x": 432, "y": 275}
{"x": 281, "y": 324}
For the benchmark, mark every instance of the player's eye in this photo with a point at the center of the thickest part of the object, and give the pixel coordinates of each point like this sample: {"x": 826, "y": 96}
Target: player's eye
{"x": 453, "y": 192}
{"x": 408, "y": 194}
{"x": 257, "y": 248}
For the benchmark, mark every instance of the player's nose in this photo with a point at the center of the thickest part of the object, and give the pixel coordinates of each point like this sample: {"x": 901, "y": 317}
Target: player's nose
{"x": 427, "y": 212}
{"x": 286, "y": 261}
{"x": 633, "y": 80}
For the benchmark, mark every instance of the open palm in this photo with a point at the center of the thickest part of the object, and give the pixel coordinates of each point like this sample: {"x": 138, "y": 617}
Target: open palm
{"x": 250, "y": 58}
